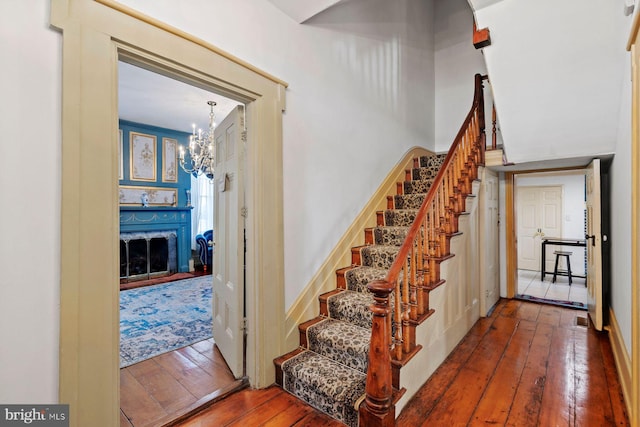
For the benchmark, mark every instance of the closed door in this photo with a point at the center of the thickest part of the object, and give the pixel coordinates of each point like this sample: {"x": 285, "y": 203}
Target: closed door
{"x": 490, "y": 255}
{"x": 539, "y": 214}
{"x": 228, "y": 259}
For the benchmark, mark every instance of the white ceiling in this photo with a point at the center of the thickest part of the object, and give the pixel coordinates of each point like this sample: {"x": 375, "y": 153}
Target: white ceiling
{"x": 302, "y": 10}
{"x": 153, "y": 99}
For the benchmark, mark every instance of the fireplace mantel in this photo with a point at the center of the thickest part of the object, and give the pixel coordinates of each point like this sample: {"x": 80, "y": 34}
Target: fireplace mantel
{"x": 156, "y": 218}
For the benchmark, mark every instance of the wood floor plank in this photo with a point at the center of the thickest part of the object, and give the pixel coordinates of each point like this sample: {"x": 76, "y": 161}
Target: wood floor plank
{"x": 165, "y": 389}
{"x": 196, "y": 380}
{"x": 525, "y": 406}
{"x": 205, "y": 347}
{"x": 124, "y": 421}
{"x": 529, "y": 311}
{"x": 616, "y": 397}
{"x": 135, "y": 401}
{"x": 550, "y": 314}
{"x": 292, "y": 415}
{"x": 510, "y": 308}
{"x": 558, "y": 399}
{"x": 233, "y": 407}
{"x": 593, "y": 404}
{"x": 497, "y": 399}
{"x": 262, "y": 414}
{"x": 429, "y": 394}
{"x": 213, "y": 363}
{"x": 316, "y": 419}
{"x": 473, "y": 376}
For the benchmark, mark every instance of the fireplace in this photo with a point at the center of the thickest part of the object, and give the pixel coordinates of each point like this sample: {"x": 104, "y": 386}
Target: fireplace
{"x": 147, "y": 254}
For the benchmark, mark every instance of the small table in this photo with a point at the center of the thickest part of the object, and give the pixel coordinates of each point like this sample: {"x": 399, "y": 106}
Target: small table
{"x": 558, "y": 242}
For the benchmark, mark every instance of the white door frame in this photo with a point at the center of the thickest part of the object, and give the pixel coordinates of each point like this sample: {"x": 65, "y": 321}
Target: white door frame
{"x": 95, "y": 34}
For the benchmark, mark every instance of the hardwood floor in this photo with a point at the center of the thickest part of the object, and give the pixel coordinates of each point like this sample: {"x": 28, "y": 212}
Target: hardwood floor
{"x": 526, "y": 365}
{"x": 159, "y": 390}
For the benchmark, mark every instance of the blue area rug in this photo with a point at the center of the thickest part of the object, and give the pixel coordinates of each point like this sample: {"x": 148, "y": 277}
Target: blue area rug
{"x": 160, "y": 318}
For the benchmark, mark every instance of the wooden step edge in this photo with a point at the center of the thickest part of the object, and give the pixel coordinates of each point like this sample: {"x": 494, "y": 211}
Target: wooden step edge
{"x": 397, "y": 394}
{"x": 399, "y": 188}
{"x": 434, "y": 285}
{"x": 278, "y": 361}
{"x": 406, "y": 357}
{"x": 380, "y": 218}
{"x": 424, "y": 315}
{"x": 341, "y": 280}
{"x": 369, "y": 236}
{"x": 356, "y": 254}
{"x": 304, "y": 326}
{"x": 324, "y": 308}
{"x": 391, "y": 203}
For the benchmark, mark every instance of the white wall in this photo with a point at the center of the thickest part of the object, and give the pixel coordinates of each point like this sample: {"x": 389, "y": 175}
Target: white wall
{"x": 30, "y": 194}
{"x": 361, "y": 89}
{"x": 555, "y": 68}
{"x": 621, "y": 214}
{"x": 457, "y": 61}
{"x": 573, "y": 206}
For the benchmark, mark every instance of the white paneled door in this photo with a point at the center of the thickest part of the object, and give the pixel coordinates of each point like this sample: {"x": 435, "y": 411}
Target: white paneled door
{"x": 228, "y": 259}
{"x": 539, "y": 214}
{"x": 490, "y": 254}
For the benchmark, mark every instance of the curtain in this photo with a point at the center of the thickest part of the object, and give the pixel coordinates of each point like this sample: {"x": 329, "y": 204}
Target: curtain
{"x": 202, "y": 201}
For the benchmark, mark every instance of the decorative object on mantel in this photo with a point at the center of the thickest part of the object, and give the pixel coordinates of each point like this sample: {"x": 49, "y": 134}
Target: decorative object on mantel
{"x": 144, "y": 197}
{"x": 201, "y": 156}
{"x": 188, "y": 192}
{"x": 156, "y": 196}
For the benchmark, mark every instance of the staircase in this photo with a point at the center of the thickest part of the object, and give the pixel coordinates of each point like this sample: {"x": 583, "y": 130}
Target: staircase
{"x": 328, "y": 370}
{"x": 343, "y": 359}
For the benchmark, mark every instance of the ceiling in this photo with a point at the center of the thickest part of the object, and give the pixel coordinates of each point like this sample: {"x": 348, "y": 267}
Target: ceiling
{"x": 153, "y": 99}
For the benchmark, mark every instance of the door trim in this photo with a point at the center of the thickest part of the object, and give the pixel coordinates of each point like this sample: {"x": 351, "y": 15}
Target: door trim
{"x": 94, "y": 36}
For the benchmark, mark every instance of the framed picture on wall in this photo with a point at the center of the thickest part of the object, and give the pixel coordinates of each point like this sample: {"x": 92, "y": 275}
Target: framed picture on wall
{"x": 130, "y": 195}
{"x": 169, "y": 160}
{"x": 120, "y": 156}
{"x": 143, "y": 157}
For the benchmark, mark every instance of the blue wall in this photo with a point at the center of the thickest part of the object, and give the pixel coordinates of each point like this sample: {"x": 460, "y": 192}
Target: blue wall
{"x": 158, "y": 217}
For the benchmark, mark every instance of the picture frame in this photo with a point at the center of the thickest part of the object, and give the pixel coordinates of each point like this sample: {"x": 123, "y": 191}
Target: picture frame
{"x": 143, "y": 157}
{"x": 132, "y": 195}
{"x": 120, "y": 155}
{"x": 169, "y": 160}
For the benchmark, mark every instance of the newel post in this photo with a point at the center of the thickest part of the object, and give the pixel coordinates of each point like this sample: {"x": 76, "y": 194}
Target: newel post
{"x": 377, "y": 410}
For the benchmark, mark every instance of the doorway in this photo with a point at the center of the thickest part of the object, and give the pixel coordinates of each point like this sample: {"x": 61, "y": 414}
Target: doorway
{"x": 550, "y": 208}
{"x": 95, "y": 35}
{"x": 170, "y": 363}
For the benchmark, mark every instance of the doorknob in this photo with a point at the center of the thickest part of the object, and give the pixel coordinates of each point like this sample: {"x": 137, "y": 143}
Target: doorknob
{"x": 593, "y": 239}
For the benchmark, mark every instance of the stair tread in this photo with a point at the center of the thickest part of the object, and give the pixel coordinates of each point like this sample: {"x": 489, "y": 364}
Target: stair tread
{"x": 340, "y": 341}
{"x": 325, "y": 384}
{"x": 351, "y": 306}
{"x": 359, "y": 277}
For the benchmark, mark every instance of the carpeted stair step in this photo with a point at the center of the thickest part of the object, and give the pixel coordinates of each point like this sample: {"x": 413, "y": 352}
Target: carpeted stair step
{"x": 408, "y": 201}
{"x": 417, "y": 187}
{"x": 358, "y": 278}
{"x": 418, "y": 174}
{"x": 432, "y": 161}
{"x": 378, "y": 256}
{"x": 340, "y": 341}
{"x": 350, "y": 306}
{"x": 399, "y": 217}
{"x": 329, "y": 386}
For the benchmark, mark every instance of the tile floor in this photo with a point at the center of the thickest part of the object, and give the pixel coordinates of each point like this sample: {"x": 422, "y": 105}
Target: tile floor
{"x": 529, "y": 283}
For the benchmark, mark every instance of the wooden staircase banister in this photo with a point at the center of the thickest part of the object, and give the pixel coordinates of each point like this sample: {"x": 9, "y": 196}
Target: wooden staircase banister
{"x": 416, "y": 267}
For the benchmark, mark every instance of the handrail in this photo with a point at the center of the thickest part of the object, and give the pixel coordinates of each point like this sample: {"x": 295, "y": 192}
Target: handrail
{"x": 416, "y": 268}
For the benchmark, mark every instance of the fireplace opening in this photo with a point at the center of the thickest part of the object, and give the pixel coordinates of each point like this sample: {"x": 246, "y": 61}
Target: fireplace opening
{"x": 147, "y": 255}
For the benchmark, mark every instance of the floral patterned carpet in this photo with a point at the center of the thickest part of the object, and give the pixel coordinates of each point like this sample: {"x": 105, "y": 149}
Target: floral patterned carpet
{"x": 161, "y": 318}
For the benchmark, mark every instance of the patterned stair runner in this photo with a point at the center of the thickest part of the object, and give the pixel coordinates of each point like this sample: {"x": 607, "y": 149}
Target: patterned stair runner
{"x": 329, "y": 370}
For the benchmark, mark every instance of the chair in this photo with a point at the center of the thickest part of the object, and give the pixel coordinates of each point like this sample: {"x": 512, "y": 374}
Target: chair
{"x": 205, "y": 248}
{"x": 567, "y": 272}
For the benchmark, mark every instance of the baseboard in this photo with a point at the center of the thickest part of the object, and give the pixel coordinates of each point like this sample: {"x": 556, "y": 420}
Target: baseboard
{"x": 306, "y": 305}
{"x": 622, "y": 359}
